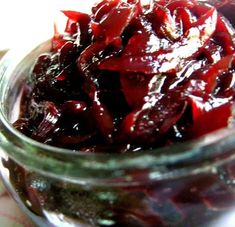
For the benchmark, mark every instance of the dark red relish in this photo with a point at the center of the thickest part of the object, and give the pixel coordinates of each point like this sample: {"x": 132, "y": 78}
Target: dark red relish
{"x": 130, "y": 77}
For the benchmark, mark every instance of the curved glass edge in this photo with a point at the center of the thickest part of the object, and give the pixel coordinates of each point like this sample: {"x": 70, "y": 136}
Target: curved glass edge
{"x": 67, "y": 162}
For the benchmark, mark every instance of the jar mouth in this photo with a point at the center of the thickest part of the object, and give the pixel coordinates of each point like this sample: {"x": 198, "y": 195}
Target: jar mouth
{"x": 33, "y": 154}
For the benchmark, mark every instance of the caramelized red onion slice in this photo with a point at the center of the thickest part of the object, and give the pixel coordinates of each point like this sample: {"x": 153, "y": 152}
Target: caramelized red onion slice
{"x": 172, "y": 59}
{"x": 176, "y": 48}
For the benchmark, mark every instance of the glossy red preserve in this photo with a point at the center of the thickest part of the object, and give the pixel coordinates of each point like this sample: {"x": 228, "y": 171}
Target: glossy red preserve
{"x": 129, "y": 77}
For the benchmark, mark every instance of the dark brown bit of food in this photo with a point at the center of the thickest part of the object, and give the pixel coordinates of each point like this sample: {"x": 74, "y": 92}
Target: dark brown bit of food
{"x": 134, "y": 76}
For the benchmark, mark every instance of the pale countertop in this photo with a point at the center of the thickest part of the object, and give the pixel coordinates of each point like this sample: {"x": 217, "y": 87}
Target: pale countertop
{"x": 10, "y": 214}
{"x": 31, "y": 19}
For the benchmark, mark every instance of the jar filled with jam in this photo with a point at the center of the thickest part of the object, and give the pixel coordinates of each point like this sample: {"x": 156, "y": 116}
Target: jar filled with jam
{"x": 126, "y": 118}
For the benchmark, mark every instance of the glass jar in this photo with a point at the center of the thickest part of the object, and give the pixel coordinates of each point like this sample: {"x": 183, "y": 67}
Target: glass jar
{"x": 189, "y": 184}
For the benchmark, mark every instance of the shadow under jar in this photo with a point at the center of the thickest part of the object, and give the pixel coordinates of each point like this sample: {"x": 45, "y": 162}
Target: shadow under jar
{"x": 187, "y": 184}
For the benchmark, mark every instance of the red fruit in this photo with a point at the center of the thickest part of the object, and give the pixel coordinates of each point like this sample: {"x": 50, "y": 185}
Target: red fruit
{"x": 213, "y": 72}
{"x": 48, "y": 124}
{"x": 103, "y": 8}
{"x": 209, "y": 115}
{"x": 74, "y": 107}
{"x": 172, "y": 59}
{"x": 130, "y": 76}
{"x": 219, "y": 197}
{"x": 135, "y": 88}
{"x": 103, "y": 118}
{"x": 76, "y": 16}
{"x": 155, "y": 118}
{"x": 185, "y": 18}
{"x": 113, "y": 24}
{"x": 164, "y": 24}
{"x": 176, "y": 4}
{"x": 224, "y": 33}
{"x": 193, "y": 189}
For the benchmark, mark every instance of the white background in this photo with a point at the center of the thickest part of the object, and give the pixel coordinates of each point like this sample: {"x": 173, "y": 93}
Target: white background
{"x": 22, "y": 20}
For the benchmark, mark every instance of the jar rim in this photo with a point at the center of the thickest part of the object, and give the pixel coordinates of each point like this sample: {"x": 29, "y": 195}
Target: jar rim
{"x": 186, "y": 153}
